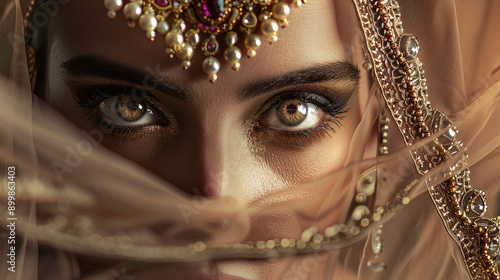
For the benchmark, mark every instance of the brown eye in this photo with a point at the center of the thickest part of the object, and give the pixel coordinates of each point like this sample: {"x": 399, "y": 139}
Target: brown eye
{"x": 130, "y": 109}
{"x": 294, "y": 115}
{"x": 292, "y": 112}
{"x": 126, "y": 110}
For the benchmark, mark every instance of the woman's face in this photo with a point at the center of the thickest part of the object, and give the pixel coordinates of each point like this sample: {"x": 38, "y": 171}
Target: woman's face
{"x": 285, "y": 118}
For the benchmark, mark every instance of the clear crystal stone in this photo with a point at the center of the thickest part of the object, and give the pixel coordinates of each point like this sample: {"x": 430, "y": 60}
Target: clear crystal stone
{"x": 249, "y": 19}
{"x": 477, "y": 204}
{"x": 409, "y": 45}
{"x": 474, "y": 204}
{"x": 413, "y": 47}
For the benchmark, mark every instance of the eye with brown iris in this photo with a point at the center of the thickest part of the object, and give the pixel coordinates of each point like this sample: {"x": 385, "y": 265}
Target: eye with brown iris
{"x": 292, "y": 112}
{"x": 130, "y": 109}
{"x": 127, "y": 111}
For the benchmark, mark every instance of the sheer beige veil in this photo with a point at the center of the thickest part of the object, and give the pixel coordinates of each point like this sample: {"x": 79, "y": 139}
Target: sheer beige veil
{"x": 74, "y": 197}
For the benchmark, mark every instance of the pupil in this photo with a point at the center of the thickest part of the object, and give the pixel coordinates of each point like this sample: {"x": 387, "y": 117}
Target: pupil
{"x": 291, "y": 109}
{"x": 134, "y": 105}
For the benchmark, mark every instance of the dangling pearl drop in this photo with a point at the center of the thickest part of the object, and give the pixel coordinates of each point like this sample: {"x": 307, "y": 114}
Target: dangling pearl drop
{"x": 252, "y": 43}
{"x": 113, "y": 6}
{"x": 148, "y": 22}
{"x": 233, "y": 56}
{"x": 211, "y": 66}
{"x": 185, "y": 53}
{"x": 269, "y": 28}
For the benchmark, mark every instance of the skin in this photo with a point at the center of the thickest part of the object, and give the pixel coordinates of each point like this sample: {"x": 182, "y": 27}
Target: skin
{"x": 211, "y": 152}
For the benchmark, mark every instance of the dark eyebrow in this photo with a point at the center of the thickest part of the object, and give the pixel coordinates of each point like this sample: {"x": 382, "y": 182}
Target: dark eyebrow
{"x": 102, "y": 67}
{"x": 343, "y": 73}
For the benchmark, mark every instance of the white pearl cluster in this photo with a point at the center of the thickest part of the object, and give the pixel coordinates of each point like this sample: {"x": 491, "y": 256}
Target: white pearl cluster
{"x": 232, "y": 53}
{"x": 182, "y": 44}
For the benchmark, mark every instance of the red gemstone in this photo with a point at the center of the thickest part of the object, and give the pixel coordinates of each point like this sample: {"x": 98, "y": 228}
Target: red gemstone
{"x": 211, "y": 46}
{"x": 162, "y": 3}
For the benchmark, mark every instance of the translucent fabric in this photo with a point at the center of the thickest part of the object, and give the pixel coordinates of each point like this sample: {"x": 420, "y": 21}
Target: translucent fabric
{"x": 75, "y": 200}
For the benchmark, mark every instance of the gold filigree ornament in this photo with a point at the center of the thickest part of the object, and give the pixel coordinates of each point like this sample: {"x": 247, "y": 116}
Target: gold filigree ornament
{"x": 211, "y": 22}
{"x": 401, "y": 78}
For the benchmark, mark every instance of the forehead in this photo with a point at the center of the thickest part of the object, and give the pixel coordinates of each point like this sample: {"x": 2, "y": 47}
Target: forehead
{"x": 82, "y": 28}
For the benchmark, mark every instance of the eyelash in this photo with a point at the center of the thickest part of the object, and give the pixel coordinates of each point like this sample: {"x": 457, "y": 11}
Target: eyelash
{"x": 91, "y": 98}
{"x": 302, "y": 137}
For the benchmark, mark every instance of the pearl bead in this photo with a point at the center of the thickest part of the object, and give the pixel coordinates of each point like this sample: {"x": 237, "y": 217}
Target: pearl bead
{"x": 252, "y": 42}
{"x": 281, "y": 10}
{"x": 186, "y": 64}
{"x": 211, "y": 65}
{"x": 263, "y": 17}
{"x": 231, "y": 38}
{"x": 174, "y": 39}
{"x": 136, "y": 1}
{"x": 232, "y": 54}
{"x": 367, "y": 65}
{"x": 235, "y": 66}
{"x": 162, "y": 27}
{"x": 111, "y": 14}
{"x": 269, "y": 27}
{"x": 132, "y": 11}
{"x": 284, "y": 23}
{"x": 251, "y": 53}
{"x": 151, "y": 35}
{"x": 113, "y": 5}
{"x": 186, "y": 52}
{"x": 148, "y": 22}
{"x": 273, "y": 39}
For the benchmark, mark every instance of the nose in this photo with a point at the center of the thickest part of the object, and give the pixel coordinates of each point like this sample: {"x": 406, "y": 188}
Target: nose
{"x": 200, "y": 161}
{"x": 209, "y": 163}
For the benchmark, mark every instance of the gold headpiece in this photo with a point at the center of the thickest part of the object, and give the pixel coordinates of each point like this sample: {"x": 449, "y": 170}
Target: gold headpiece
{"x": 215, "y": 18}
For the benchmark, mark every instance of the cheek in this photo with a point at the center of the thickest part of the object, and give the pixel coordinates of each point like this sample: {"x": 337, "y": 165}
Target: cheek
{"x": 320, "y": 157}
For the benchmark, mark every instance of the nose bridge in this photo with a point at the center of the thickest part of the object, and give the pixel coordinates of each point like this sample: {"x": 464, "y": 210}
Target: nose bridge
{"x": 210, "y": 157}
{"x": 214, "y": 146}
{"x": 211, "y": 149}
